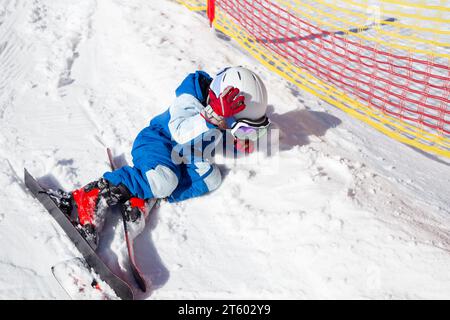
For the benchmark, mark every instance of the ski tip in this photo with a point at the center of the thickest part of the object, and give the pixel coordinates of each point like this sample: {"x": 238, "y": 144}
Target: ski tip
{"x": 27, "y": 176}
{"x": 142, "y": 287}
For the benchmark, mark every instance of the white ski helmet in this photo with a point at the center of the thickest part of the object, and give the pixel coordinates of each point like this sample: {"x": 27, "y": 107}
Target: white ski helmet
{"x": 250, "y": 86}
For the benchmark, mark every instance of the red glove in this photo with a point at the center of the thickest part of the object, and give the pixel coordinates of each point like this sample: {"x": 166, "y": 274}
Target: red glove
{"x": 228, "y": 103}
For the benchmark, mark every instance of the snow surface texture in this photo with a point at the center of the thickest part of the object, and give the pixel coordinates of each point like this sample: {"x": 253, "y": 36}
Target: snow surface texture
{"x": 343, "y": 212}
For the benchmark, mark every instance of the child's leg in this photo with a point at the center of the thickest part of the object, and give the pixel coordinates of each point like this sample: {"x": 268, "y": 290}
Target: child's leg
{"x": 154, "y": 175}
{"x": 196, "y": 179}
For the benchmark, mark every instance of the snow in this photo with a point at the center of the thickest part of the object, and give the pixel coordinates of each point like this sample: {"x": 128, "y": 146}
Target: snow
{"x": 340, "y": 212}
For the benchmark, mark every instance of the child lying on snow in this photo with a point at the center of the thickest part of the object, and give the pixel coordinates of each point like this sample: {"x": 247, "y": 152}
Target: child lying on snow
{"x": 235, "y": 99}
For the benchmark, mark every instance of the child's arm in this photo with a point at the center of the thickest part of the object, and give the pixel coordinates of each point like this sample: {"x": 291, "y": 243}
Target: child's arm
{"x": 185, "y": 122}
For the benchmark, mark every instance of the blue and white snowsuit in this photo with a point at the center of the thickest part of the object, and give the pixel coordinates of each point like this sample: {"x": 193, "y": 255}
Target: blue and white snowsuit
{"x": 154, "y": 174}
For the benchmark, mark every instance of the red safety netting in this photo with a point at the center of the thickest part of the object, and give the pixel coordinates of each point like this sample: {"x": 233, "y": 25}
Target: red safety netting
{"x": 404, "y": 84}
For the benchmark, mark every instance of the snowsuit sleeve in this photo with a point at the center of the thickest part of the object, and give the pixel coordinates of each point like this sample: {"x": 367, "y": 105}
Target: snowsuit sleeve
{"x": 186, "y": 123}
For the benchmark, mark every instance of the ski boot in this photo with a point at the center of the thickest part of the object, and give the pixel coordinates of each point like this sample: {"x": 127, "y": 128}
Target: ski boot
{"x": 91, "y": 202}
{"x": 135, "y": 212}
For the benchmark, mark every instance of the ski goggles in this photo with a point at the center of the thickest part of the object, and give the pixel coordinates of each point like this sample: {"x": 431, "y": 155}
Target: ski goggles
{"x": 246, "y": 129}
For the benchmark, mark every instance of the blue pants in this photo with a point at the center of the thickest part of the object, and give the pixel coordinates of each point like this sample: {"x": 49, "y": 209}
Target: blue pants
{"x": 154, "y": 175}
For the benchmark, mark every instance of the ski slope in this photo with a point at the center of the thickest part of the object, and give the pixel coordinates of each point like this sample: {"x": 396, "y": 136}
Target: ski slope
{"x": 341, "y": 211}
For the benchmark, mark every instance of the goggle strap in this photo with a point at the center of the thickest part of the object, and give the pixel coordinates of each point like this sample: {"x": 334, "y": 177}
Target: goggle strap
{"x": 262, "y": 122}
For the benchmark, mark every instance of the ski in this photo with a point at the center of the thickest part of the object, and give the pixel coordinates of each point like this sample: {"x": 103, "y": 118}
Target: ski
{"x": 80, "y": 281}
{"x": 137, "y": 273}
{"x": 120, "y": 287}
